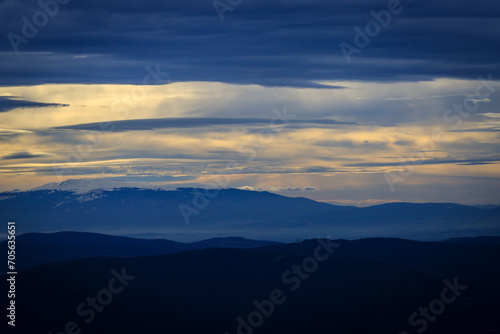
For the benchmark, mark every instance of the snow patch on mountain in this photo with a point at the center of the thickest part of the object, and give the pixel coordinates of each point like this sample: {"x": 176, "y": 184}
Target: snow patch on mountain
{"x": 89, "y": 186}
{"x": 85, "y": 186}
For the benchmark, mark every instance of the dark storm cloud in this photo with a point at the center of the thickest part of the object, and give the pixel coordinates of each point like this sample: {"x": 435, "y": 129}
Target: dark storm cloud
{"x": 21, "y": 155}
{"x": 472, "y": 161}
{"x": 476, "y": 163}
{"x": 273, "y": 43}
{"x": 191, "y": 122}
{"x": 9, "y": 103}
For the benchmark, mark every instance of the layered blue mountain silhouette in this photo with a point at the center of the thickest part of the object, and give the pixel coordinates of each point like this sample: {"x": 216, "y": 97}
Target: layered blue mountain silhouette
{"x": 194, "y": 214}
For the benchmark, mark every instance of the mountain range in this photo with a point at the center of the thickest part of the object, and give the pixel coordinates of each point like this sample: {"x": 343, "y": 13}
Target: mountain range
{"x": 190, "y": 214}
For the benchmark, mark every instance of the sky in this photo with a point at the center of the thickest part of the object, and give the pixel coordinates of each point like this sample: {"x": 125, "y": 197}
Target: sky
{"x": 346, "y": 102}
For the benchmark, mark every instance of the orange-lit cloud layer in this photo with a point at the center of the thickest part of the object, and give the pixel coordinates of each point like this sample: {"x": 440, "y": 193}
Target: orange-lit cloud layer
{"x": 417, "y": 141}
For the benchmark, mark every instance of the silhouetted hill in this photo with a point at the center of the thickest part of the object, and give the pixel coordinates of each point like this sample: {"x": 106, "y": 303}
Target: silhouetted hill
{"x": 438, "y": 258}
{"x": 481, "y": 240}
{"x": 34, "y": 249}
{"x": 230, "y": 242}
{"x": 365, "y": 286}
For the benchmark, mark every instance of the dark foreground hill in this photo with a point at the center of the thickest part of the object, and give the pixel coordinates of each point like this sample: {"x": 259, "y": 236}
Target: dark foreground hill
{"x": 476, "y": 240}
{"x": 316, "y": 286}
{"x": 34, "y": 249}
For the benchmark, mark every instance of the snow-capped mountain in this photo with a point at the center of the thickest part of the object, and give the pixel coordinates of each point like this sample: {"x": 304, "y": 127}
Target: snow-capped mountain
{"x": 82, "y": 186}
{"x": 118, "y": 207}
{"x": 85, "y": 186}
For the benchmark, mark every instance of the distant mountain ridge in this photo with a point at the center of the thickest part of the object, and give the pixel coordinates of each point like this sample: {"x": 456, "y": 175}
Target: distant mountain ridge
{"x": 83, "y": 186}
{"x": 251, "y": 214}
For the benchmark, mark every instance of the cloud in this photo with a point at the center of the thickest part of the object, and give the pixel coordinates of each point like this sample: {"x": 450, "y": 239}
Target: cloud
{"x": 270, "y": 43}
{"x": 192, "y": 122}
{"x": 21, "y": 155}
{"x": 12, "y": 102}
{"x": 404, "y": 143}
{"x": 492, "y": 115}
{"x": 490, "y": 129}
{"x": 406, "y": 98}
{"x": 352, "y": 144}
{"x": 9, "y": 134}
{"x": 434, "y": 161}
{"x": 278, "y": 189}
